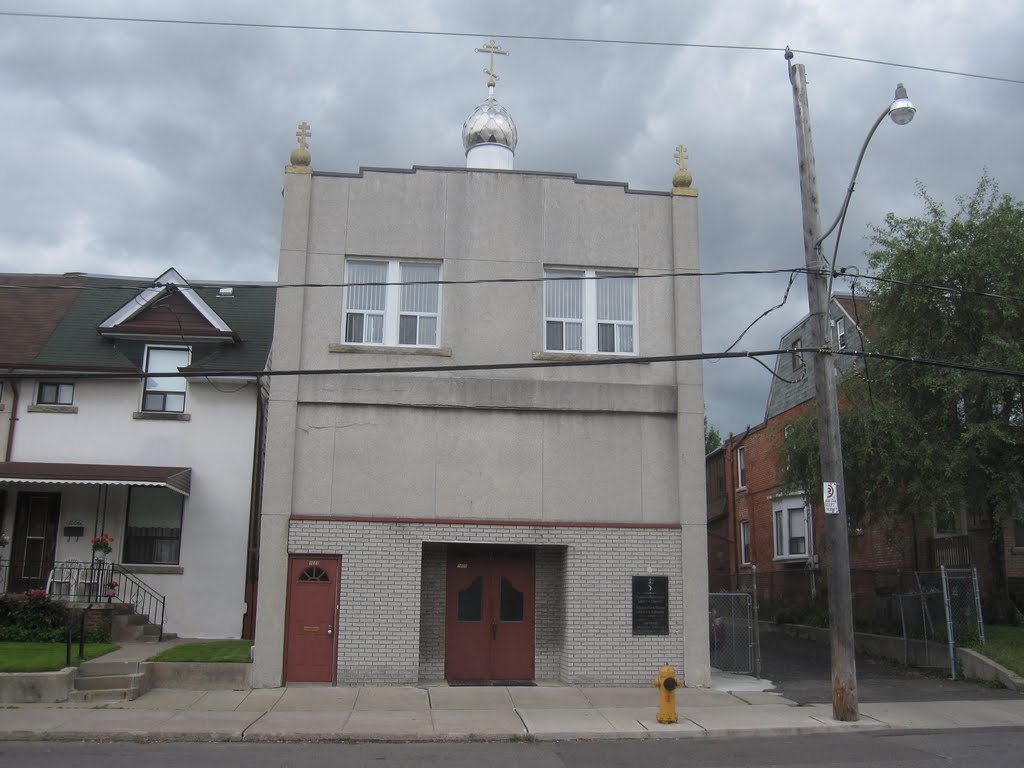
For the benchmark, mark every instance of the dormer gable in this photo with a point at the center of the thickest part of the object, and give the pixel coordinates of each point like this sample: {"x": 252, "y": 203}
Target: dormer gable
{"x": 168, "y": 309}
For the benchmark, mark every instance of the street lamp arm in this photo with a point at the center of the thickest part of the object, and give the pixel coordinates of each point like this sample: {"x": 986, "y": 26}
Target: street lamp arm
{"x": 853, "y": 179}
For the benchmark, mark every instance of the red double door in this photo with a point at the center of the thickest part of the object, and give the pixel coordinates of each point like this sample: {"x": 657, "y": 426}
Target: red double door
{"x": 489, "y": 622}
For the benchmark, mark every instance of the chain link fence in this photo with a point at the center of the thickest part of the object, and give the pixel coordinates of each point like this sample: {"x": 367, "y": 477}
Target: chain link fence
{"x": 732, "y": 625}
{"x": 942, "y": 615}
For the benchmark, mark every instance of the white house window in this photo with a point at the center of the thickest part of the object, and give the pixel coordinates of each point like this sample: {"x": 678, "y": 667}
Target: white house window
{"x": 153, "y": 532}
{"x": 378, "y": 310}
{"x": 745, "y": 542}
{"x": 165, "y": 393}
{"x": 791, "y": 528}
{"x": 53, "y": 393}
{"x": 841, "y": 332}
{"x": 596, "y": 315}
{"x": 741, "y": 467}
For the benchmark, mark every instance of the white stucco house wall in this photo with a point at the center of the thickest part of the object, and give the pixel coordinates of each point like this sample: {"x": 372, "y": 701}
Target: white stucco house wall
{"x": 424, "y": 520}
{"x": 164, "y": 465}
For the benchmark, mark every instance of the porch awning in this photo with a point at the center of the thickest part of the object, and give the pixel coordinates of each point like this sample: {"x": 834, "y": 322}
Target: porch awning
{"x": 177, "y": 479}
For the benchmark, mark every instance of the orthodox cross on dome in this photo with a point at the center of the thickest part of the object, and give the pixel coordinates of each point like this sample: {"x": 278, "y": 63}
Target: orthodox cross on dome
{"x": 491, "y": 48}
{"x": 303, "y": 134}
{"x": 683, "y": 179}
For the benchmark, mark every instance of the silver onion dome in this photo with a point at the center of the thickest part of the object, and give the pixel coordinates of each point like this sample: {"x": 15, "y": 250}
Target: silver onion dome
{"x": 489, "y": 123}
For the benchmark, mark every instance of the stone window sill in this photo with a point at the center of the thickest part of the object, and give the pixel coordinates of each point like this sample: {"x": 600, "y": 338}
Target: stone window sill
{"x": 570, "y": 356}
{"x": 172, "y": 570}
{"x": 53, "y": 409}
{"x": 382, "y": 350}
{"x": 158, "y": 416}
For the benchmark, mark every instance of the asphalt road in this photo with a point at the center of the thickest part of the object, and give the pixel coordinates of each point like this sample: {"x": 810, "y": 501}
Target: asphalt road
{"x": 992, "y": 748}
{"x": 800, "y": 670}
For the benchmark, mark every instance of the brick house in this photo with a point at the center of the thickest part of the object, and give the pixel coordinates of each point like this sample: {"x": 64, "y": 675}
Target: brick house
{"x": 780, "y": 534}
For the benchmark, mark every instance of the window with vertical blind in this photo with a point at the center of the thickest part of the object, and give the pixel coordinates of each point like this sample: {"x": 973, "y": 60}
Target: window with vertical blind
{"x": 392, "y": 302}
{"x": 590, "y": 311}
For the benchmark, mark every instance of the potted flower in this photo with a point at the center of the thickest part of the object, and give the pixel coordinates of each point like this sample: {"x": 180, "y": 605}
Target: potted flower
{"x": 111, "y": 590}
{"x": 102, "y": 545}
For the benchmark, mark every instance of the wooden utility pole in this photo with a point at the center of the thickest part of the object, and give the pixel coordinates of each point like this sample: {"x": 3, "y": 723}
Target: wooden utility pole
{"x": 840, "y": 606}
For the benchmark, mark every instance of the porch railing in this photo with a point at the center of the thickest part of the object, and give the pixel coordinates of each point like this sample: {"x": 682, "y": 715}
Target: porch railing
{"x": 950, "y": 551}
{"x": 99, "y": 581}
{"x": 144, "y": 600}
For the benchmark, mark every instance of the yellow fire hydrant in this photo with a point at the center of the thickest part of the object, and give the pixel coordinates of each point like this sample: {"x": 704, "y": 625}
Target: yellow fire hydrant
{"x": 666, "y": 685}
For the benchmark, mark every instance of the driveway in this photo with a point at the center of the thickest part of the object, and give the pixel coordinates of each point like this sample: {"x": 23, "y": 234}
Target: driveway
{"x": 800, "y": 670}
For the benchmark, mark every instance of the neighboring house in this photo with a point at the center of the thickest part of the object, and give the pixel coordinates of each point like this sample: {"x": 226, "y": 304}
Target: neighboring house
{"x": 779, "y": 533}
{"x": 163, "y": 464}
{"x": 483, "y": 525}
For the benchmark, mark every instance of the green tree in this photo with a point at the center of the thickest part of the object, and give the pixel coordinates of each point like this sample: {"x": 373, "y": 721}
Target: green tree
{"x": 712, "y": 438}
{"x": 924, "y": 440}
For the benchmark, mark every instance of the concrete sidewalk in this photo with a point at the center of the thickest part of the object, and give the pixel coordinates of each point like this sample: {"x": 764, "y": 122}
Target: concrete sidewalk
{"x": 735, "y": 706}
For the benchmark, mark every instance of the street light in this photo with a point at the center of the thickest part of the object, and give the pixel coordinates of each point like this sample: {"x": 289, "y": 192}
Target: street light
{"x": 844, "y": 671}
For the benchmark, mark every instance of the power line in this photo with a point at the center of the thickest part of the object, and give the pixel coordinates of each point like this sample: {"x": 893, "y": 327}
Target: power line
{"x": 586, "y": 363}
{"x": 610, "y": 275}
{"x": 929, "y": 286}
{"x": 477, "y": 35}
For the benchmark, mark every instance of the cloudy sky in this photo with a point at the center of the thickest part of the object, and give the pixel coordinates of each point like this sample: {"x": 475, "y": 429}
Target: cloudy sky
{"x": 130, "y": 147}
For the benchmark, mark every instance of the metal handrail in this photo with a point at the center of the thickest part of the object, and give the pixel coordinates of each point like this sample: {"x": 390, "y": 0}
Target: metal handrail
{"x": 132, "y": 591}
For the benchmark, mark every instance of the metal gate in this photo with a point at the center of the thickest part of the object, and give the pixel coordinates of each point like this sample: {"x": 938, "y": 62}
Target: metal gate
{"x": 732, "y": 623}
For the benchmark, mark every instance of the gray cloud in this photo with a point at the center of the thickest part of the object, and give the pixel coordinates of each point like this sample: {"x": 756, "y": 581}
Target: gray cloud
{"x": 129, "y": 148}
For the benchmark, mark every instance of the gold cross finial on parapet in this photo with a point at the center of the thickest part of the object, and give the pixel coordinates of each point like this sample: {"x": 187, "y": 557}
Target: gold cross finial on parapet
{"x": 681, "y": 157}
{"x": 300, "y": 157}
{"x": 303, "y": 134}
{"x": 682, "y": 179}
{"x": 491, "y": 48}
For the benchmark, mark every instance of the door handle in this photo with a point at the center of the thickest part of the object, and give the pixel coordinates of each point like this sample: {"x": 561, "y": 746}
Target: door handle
{"x": 494, "y": 630}
{"x": 330, "y": 630}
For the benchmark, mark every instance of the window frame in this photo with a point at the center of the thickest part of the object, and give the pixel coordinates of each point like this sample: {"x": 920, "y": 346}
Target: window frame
{"x": 745, "y": 542}
{"x": 129, "y": 539}
{"x": 392, "y": 314}
{"x": 148, "y": 391}
{"x": 741, "y": 468}
{"x": 796, "y": 358}
{"x": 782, "y": 514}
{"x": 840, "y": 331}
{"x": 590, "y": 323}
{"x": 58, "y": 387}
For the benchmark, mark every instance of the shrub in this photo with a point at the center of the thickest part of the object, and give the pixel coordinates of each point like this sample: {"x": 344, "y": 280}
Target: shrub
{"x": 34, "y": 617}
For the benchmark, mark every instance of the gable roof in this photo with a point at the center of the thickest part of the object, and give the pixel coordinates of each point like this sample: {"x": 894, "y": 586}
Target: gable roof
{"x": 74, "y": 340}
{"x": 170, "y": 306}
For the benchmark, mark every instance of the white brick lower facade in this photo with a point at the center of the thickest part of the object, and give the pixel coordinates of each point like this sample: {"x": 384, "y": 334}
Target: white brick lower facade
{"x": 392, "y": 606}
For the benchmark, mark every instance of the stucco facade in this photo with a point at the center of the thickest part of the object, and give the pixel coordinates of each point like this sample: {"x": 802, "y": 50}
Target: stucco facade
{"x": 596, "y": 471}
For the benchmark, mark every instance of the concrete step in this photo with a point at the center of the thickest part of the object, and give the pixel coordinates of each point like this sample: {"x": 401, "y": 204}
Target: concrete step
{"x": 128, "y": 619}
{"x": 108, "y": 682}
{"x": 101, "y": 668}
{"x": 115, "y": 694}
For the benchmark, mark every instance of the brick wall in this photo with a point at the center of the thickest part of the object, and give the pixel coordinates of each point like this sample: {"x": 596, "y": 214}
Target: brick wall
{"x": 584, "y": 597}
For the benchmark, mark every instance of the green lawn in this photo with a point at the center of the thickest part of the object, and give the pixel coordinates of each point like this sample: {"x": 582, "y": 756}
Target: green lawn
{"x": 1005, "y": 645}
{"x": 45, "y": 657}
{"x": 214, "y": 651}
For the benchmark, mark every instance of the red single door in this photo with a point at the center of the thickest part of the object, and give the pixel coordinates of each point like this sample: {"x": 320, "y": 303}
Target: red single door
{"x": 489, "y": 623}
{"x": 311, "y": 639}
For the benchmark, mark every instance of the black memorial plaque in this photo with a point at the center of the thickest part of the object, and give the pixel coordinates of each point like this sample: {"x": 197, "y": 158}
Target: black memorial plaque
{"x": 650, "y": 605}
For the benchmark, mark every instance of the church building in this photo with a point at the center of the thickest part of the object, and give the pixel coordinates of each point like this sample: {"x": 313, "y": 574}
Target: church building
{"x": 473, "y": 471}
